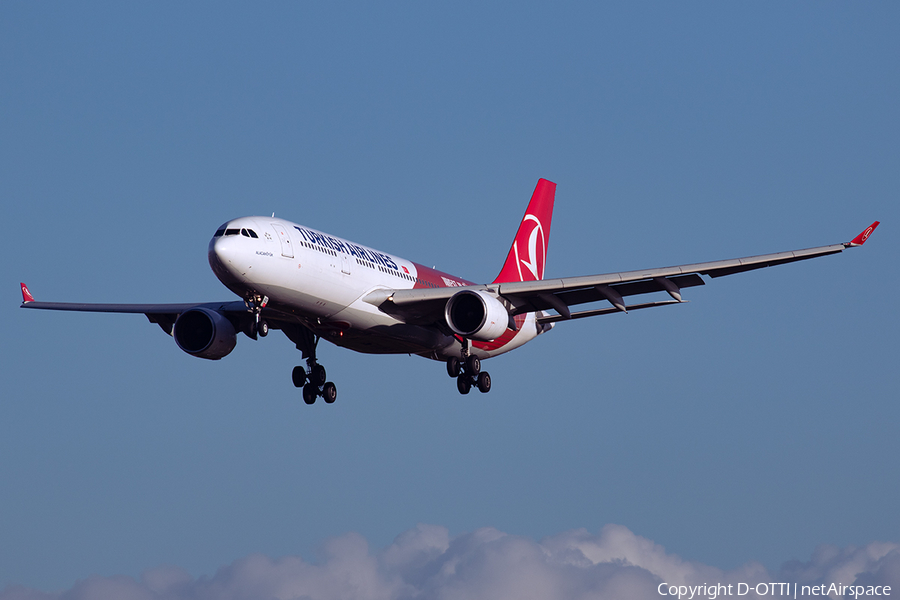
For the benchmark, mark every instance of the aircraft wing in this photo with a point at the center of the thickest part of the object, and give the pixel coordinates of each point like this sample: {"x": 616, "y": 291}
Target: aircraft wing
{"x": 561, "y": 294}
{"x": 162, "y": 314}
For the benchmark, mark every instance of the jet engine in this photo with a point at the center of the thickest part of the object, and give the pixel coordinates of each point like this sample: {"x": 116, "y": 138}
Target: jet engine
{"x": 476, "y": 314}
{"x": 204, "y": 333}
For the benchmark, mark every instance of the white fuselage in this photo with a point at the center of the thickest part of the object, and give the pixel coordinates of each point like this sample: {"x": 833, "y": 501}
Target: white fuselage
{"x": 323, "y": 280}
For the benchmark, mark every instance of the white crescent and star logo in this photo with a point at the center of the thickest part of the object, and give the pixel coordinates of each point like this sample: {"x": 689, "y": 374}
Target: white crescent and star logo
{"x": 537, "y": 250}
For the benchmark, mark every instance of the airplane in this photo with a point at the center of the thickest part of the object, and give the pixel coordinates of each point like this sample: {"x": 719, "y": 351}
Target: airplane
{"x": 314, "y": 286}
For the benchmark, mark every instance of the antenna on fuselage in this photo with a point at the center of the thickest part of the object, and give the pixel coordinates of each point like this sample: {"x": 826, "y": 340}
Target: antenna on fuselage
{"x": 273, "y": 215}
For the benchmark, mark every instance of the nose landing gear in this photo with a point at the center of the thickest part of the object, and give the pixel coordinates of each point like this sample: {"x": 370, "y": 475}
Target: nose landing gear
{"x": 258, "y": 326}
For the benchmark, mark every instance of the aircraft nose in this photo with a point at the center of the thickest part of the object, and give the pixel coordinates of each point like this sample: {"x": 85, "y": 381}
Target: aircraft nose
{"x": 222, "y": 256}
{"x": 220, "y": 249}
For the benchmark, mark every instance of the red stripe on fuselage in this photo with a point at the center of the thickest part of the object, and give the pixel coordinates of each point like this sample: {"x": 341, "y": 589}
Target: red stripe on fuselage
{"x": 432, "y": 278}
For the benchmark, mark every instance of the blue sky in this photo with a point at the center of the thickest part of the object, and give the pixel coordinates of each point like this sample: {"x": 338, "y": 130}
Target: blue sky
{"x": 752, "y": 424}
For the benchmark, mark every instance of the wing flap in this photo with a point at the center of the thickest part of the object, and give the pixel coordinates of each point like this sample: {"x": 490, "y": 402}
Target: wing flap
{"x": 582, "y": 295}
{"x": 644, "y": 286}
{"x": 602, "y": 311}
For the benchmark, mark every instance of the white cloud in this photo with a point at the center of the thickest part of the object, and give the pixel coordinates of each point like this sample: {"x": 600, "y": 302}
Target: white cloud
{"x": 424, "y": 563}
{"x": 877, "y": 563}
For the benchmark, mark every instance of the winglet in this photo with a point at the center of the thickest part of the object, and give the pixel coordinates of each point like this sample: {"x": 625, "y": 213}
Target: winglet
{"x": 26, "y": 295}
{"x": 861, "y": 238}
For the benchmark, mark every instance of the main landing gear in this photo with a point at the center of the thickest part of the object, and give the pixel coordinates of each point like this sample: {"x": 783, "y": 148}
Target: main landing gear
{"x": 468, "y": 373}
{"x": 313, "y": 380}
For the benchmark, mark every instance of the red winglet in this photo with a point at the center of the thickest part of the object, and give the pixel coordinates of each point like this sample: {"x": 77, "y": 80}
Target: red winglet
{"x": 861, "y": 238}
{"x": 26, "y": 295}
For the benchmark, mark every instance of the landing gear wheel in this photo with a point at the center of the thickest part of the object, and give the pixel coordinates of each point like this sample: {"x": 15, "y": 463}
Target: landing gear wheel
{"x": 453, "y": 366}
{"x": 463, "y": 384}
{"x": 298, "y": 376}
{"x": 310, "y": 391}
{"x": 329, "y": 393}
{"x": 262, "y": 329}
{"x": 473, "y": 365}
{"x": 484, "y": 382}
{"x": 318, "y": 376}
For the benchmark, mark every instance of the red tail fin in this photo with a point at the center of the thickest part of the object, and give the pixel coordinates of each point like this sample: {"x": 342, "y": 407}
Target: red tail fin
{"x": 528, "y": 254}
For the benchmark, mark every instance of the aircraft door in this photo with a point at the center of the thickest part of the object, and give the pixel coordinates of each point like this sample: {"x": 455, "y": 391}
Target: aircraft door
{"x": 345, "y": 263}
{"x": 286, "y": 249}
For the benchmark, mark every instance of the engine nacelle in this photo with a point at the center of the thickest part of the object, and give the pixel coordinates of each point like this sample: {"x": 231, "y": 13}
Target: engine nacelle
{"x": 476, "y": 314}
{"x": 204, "y": 333}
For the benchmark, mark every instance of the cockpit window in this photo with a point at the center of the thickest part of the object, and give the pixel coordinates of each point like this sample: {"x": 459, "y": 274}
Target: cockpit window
{"x": 244, "y": 232}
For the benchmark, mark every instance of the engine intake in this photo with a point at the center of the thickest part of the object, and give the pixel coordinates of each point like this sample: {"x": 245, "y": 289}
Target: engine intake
{"x": 204, "y": 333}
{"x": 476, "y": 314}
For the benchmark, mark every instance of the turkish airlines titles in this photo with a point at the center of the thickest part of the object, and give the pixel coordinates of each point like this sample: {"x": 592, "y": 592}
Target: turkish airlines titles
{"x": 326, "y": 241}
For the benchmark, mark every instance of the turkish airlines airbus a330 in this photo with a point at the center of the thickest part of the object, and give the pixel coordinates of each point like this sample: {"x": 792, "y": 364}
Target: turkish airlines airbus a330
{"x": 314, "y": 286}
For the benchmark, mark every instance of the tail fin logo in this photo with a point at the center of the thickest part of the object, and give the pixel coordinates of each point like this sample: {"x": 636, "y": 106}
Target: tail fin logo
{"x": 535, "y": 261}
{"x": 26, "y": 295}
{"x": 867, "y": 233}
